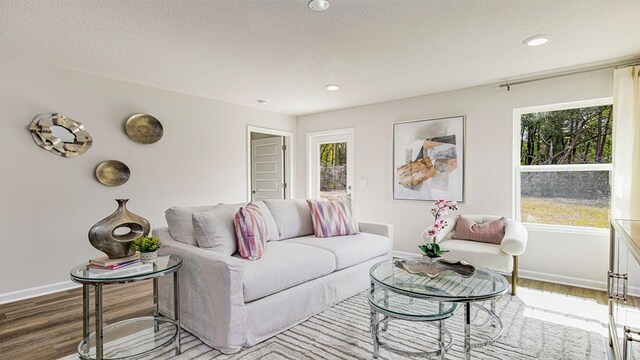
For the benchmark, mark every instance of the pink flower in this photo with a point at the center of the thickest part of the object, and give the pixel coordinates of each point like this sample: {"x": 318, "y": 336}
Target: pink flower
{"x": 432, "y": 232}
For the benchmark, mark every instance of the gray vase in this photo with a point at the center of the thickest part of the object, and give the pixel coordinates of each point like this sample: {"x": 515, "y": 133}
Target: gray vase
{"x": 103, "y": 235}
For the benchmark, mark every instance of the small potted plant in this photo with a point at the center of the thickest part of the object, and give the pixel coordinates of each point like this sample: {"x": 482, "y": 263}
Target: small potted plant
{"x": 148, "y": 247}
{"x": 430, "y": 248}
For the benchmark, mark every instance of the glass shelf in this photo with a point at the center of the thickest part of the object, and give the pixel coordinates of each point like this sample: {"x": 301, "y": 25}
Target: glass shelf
{"x": 131, "y": 338}
{"x": 409, "y": 307}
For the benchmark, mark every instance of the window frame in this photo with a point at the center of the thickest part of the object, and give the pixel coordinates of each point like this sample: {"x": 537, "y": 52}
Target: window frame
{"x": 518, "y": 168}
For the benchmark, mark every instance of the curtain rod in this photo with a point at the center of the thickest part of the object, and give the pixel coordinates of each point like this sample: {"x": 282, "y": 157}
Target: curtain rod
{"x": 509, "y": 84}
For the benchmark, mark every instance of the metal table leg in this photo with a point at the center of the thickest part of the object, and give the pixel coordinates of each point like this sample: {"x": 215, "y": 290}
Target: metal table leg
{"x": 385, "y": 319}
{"x": 176, "y": 309}
{"x": 374, "y": 333}
{"x": 467, "y": 331}
{"x": 441, "y": 332}
{"x": 156, "y": 312}
{"x": 98, "y": 315}
{"x": 85, "y": 315}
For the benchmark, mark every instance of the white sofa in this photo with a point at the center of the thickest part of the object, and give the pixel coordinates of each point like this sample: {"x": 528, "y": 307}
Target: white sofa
{"x": 229, "y": 302}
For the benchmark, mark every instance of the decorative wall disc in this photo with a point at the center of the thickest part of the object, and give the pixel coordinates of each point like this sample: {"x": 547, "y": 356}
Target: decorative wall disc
{"x": 60, "y": 135}
{"x": 144, "y": 129}
{"x": 112, "y": 173}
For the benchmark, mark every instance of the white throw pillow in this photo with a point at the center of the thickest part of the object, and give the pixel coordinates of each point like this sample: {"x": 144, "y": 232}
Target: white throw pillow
{"x": 272, "y": 228}
{"x": 180, "y": 223}
{"x": 214, "y": 230}
{"x": 292, "y": 217}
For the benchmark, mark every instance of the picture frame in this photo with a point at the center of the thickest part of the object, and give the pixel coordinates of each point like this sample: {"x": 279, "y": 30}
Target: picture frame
{"x": 428, "y": 159}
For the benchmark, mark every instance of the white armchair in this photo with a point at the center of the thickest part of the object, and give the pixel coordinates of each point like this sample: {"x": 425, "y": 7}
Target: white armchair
{"x": 503, "y": 257}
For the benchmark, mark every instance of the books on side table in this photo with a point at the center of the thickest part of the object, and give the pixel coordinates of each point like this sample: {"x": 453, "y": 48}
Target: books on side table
{"x": 106, "y": 267}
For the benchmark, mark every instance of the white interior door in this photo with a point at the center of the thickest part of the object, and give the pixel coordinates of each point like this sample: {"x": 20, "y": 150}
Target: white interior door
{"x": 331, "y": 164}
{"x": 267, "y": 168}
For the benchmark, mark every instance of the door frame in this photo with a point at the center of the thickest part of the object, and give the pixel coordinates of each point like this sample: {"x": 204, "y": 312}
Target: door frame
{"x": 350, "y": 159}
{"x": 288, "y": 161}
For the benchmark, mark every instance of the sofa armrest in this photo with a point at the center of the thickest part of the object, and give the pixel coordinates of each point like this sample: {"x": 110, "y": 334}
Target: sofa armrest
{"x": 385, "y": 230}
{"x": 211, "y": 294}
{"x": 382, "y": 229}
{"x": 515, "y": 238}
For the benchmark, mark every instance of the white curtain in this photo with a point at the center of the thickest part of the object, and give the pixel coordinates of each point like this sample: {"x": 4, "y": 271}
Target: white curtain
{"x": 625, "y": 202}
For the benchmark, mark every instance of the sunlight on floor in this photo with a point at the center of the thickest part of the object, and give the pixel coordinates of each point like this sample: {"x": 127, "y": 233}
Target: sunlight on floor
{"x": 565, "y": 310}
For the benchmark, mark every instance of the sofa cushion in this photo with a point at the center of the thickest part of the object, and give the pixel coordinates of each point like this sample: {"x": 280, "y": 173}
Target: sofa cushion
{"x": 349, "y": 250}
{"x": 284, "y": 265}
{"x": 180, "y": 223}
{"x": 477, "y": 253}
{"x": 213, "y": 230}
{"x": 292, "y": 217}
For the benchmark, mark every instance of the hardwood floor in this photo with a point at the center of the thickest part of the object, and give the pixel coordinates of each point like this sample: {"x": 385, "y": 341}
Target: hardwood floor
{"x": 50, "y": 326}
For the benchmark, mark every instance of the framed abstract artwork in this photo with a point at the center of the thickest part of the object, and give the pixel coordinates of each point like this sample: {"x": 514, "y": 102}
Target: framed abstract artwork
{"x": 428, "y": 159}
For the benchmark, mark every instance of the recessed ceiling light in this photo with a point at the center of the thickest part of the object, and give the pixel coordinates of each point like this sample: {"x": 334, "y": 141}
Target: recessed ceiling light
{"x": 536, "y": 40}
{"x": 261, "y": 102}
{"x": 332, "y": 87}
{"x": 319, "y": 5}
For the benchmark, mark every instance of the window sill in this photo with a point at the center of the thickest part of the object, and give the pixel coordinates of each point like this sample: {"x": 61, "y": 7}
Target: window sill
{"x": 567, "y": 229}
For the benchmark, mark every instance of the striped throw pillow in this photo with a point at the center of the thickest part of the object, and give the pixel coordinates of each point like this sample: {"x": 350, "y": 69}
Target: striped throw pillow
{"x": 332, "y": 217}
{"x": 251, "y": 231}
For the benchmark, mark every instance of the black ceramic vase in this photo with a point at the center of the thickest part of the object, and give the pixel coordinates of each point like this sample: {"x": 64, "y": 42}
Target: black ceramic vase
{"x": 103, "y": 235}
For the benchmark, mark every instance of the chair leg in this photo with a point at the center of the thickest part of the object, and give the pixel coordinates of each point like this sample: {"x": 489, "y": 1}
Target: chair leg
{"x": 514, "y": 277}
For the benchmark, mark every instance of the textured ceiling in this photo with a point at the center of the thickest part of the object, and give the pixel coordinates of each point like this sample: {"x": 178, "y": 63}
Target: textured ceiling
{"x": 279, "y": 50}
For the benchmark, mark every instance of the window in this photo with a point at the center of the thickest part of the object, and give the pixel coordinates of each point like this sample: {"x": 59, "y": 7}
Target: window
{"x": 563, "y": 167}
{"x": 333, "y": 170}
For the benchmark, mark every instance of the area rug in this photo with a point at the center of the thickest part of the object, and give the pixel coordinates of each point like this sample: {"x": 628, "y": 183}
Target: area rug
{"x": 537, "y": 325}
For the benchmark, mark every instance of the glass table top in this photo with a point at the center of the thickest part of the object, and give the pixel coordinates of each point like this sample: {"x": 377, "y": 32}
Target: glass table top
{"x": 163, "y": 265}
{"x": 448, "y": 286}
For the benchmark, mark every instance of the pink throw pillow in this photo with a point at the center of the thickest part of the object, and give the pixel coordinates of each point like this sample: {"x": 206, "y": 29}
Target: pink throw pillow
{"x": 251, "y": 231}
{"x": 332, "y": 217}
{"x": 490, "y": 232}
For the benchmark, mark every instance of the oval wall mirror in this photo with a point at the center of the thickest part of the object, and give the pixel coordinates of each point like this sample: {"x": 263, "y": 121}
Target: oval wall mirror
{"x": 60, "y": 135}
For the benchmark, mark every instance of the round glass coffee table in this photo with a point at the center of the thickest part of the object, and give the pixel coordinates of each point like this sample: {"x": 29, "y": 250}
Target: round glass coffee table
{"x": 132, "y": 337}
{"x": 398, "y": 294}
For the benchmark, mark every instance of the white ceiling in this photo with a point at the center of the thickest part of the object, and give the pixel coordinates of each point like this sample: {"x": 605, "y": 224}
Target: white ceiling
{"x": 279, "y": 50}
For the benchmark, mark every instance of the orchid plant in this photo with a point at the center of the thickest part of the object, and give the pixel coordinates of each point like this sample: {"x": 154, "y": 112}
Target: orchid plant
{"x": 439, "y": 211}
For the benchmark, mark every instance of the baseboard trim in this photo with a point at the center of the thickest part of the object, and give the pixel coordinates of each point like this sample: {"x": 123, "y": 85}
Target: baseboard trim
{"x": 552, "y": 278}
{"x": 564, "y": 280}
{"x": 37, "y": 291}
{"x": 405, "y": 254}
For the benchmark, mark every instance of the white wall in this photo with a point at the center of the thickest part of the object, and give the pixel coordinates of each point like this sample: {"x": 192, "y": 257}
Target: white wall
{"x": 564, "y": 257}
{"x": 48, "y": 203}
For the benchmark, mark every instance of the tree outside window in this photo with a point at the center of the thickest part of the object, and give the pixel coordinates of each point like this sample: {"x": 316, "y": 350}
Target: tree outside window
{"x": 565, "y": 165}
{"x": 333, "y": 170}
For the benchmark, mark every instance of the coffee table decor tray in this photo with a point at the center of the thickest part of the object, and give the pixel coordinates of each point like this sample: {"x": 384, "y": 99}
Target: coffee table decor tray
{"x": 434, "y": 267}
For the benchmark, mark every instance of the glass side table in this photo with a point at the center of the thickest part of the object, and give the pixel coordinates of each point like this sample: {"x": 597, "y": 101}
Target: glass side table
{"x": 132, "y": 337}
{"x": 400, "y": 294}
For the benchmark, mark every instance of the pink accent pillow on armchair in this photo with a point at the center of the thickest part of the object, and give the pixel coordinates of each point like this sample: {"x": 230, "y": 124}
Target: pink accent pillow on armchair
{"x": 490, "y": 232}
